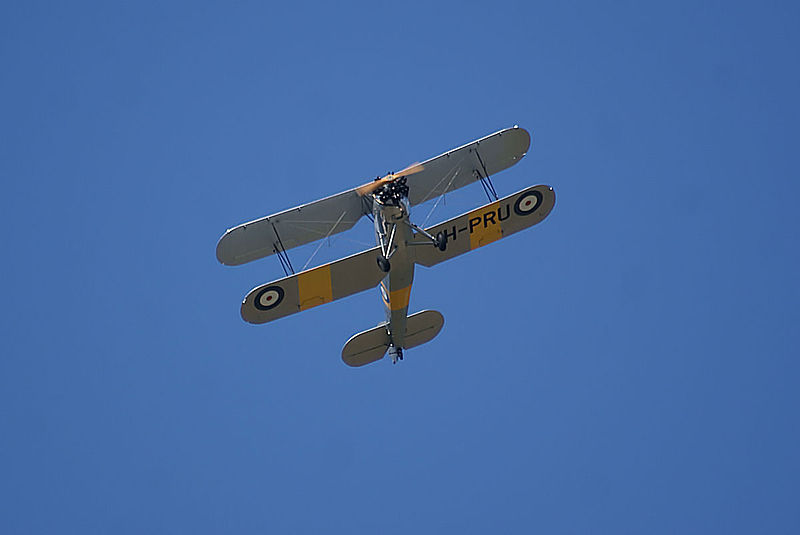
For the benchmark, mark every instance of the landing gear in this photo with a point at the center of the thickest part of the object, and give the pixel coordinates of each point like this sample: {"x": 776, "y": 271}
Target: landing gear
{"x": 383, "y": 264}
{"x": 396, "y": 354}
{"x": 441, "y": 241}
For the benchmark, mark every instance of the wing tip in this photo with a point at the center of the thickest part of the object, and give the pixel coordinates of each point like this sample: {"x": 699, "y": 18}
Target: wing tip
{"x": 526, "y": 135}
{"x": 245, "y": 310}
{"x": 222, "y": 256}
{"x": 528, "y": 141}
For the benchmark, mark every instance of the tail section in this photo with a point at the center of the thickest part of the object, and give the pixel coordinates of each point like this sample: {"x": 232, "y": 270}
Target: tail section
{"x": 423, "y": 327}
{"x": 370, "y": 346}
{"x": 366, "y": 347}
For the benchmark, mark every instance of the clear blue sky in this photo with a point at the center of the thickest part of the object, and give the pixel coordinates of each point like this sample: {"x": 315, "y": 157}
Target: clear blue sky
{"x": 628, "y": 366}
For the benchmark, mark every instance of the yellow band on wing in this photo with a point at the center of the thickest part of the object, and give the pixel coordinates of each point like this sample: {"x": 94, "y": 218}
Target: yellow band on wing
{"x": 484, "y": 227}
{"x": 314, "y": 287}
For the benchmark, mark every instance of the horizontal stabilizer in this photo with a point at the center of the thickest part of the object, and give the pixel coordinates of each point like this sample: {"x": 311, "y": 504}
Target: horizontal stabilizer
{"x": 366, "y": 347}
{"x": 422, "y": 327}
{"x": 370, "y": 346}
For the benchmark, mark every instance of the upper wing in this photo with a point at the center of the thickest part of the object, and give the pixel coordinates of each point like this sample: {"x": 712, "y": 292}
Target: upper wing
{"x": 319, "y": 219}
{"x": 489, "y": 223}
{"x": 462, "y": 166}
{"x": 290, "y": 228}
{"x": 313, "y": 287}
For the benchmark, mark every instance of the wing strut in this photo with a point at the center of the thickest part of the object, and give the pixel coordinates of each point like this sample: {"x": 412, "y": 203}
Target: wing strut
{"x": 486, "y": 181}
{"x": 327, "y": 236}
{"x": 280, "y": 252}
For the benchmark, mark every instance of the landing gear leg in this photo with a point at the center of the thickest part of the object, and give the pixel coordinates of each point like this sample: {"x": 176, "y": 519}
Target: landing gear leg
{"x": 387, "y": 251}
{"x": 439, "y": 241}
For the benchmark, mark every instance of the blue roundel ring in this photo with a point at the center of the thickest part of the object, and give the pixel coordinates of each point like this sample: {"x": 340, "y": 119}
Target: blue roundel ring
{"x": 527, "y": 205}
{"x": 268, "y": 298}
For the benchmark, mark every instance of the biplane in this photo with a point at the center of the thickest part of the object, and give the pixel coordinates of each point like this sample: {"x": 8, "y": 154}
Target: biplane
{"x": 401, "y": 244}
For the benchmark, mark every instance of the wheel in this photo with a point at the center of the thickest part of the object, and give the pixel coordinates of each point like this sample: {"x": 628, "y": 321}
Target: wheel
{"x": 384, "y": 264}
{"x": 441, "y": 241}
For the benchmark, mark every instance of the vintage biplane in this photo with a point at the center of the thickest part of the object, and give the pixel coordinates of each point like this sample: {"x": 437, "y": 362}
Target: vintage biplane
{"x": 401, "y": 244}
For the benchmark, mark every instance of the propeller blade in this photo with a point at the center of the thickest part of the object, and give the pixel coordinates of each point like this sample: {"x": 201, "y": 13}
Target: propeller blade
{"x": 369, "y": 187}
{"x": 410, "y": 170}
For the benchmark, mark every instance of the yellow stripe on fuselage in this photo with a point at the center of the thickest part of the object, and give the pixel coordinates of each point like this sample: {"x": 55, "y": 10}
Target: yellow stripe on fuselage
{"x": 314, "y": 287}
{"x": 399, "y": 298}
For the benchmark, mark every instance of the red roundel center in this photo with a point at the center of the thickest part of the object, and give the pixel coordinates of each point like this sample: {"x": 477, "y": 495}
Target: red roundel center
{"x": 268, "y": 298}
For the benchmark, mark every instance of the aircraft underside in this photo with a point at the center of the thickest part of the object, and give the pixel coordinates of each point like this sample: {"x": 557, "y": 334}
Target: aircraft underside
{"x": 401, "y": 244}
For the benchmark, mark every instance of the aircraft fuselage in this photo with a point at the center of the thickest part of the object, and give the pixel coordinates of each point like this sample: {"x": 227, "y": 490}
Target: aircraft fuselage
{"x": 394, "y": 235}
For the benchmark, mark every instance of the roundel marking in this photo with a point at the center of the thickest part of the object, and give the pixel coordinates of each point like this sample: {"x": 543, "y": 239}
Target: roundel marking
{"x": 268, "y": 298}
{"x": 528, "y": 202}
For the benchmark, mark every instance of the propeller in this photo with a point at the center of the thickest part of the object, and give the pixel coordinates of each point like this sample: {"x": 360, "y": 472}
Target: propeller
{"x": 369, "y": 187}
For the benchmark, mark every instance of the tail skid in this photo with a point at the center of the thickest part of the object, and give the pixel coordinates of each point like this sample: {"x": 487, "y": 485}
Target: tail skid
{"x": 370, "y": 346}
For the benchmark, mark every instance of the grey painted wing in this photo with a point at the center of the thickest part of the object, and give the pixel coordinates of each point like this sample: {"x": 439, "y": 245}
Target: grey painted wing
{"x": 313, "y": 287}
{"x": 467, "y": 164}
{"x": 489, "y": 223}
{"x": 290, "y": 228}
{"x": 319, "y": 219}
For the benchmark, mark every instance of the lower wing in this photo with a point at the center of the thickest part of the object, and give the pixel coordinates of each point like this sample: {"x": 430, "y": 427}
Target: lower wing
{"x": 489, "y": 223}
{"x": 313, "y": 287}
